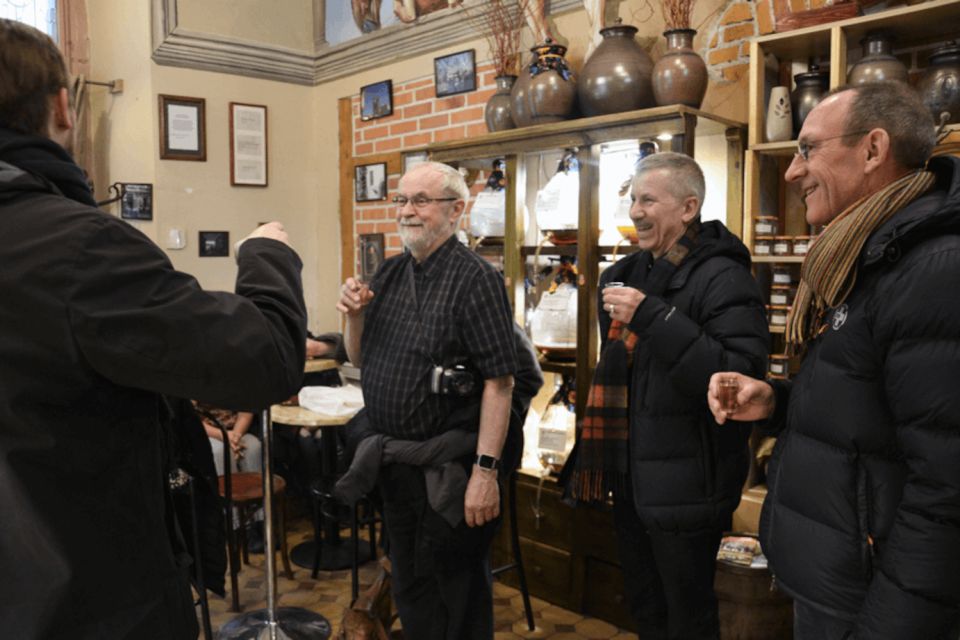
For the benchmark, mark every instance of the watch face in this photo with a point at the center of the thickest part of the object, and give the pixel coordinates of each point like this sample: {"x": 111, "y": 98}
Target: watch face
{"x": 486, "y": 462}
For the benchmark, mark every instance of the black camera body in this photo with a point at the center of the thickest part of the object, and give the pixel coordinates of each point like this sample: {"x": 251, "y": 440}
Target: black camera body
{"x": 453, "y": 381}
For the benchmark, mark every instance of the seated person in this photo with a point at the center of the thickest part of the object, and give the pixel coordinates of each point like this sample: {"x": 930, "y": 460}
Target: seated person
{"x": 244, "y": 445}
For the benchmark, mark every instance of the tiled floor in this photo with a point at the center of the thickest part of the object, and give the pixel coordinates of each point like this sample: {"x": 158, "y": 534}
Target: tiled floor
{"x": 330, "y": 594}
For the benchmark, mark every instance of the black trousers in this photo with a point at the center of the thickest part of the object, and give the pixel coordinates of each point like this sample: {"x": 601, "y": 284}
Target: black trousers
{"x": 441, "y": 575}
{"x": 668, "y": 578}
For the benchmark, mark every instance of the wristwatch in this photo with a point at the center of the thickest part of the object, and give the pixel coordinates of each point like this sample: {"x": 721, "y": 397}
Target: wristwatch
{"x": 487, "y": 462}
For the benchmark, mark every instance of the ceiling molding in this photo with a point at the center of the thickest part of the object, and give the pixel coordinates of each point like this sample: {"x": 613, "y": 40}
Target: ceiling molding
{"x": 179, "y": 47}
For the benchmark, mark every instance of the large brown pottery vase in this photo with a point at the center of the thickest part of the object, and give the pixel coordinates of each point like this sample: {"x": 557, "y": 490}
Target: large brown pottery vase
{"x": 498, "y": 113}
{"x": 680, "y": 76}
{"x": 616, "y": 77}
{"x": 546, "y": 89}
{"x": 878, "y": 62}
{"x": 810, "y": 89}
{"x": 939, "y": 87}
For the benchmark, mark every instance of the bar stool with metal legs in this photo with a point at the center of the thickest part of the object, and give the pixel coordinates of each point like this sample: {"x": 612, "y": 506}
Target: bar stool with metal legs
{"x": 517, "y": 562}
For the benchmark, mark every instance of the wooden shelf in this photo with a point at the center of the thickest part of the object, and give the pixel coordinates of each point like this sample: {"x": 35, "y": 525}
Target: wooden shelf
{"x": 778, "y": 149}
{"x": 777, "y": 328}
{"x": 775, "y": 259}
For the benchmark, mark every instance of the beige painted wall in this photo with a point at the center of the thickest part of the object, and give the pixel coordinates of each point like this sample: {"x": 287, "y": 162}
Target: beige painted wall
{"x": 283, "y": 23}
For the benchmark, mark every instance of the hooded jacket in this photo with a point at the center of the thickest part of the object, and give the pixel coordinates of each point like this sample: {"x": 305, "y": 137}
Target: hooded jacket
{"x": 687, "y": 472}
{"x": 94, "y": 324}
{"x": 862, "y": 518}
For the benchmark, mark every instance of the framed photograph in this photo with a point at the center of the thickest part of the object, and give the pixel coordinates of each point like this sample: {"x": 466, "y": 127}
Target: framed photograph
{"x": 370, "y": 182}
{"x": 248, "y": 145}
{"x": 371, "y": 254}
{"x": 376, "y": 100}
{"x": 455, "y": 73}
{"x": 410, "y": 160}
{"x": 136, "y": 203}
{"x": 214, "y": 244}
{"x": 183, "y": 129}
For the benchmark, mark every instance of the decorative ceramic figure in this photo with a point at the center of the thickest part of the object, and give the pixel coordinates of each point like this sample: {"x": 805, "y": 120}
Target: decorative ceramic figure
{"x": 878, "y": 62}
{"x": 498, "y": 111}
{"x": 811, "y": 86}
{"x": 779, "y": 124}
{"x": 680, "y": 76}
{"x": 939, "y": 87}
{"x": 546, "y": 88}
{"x": 616, "y": 77}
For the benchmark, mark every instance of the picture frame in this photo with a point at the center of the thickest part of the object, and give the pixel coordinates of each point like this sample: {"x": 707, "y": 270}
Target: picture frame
{"x": 136, "y": 201}
{"x": 376, "y": 100}
{"x": 248, "y": 145}
{"x": 371, "y": 254}
{"x": 214, "y": 244}
{"x": 410, "y": 160}
{"x": 370, "y": 182}
{"x": 183, "y": 128}
{"x": 455, "y": 73}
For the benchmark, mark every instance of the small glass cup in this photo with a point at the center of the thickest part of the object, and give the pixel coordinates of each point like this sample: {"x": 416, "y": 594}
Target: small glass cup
{"x": 729, "y": 388}
{"x": 612, "y": 285}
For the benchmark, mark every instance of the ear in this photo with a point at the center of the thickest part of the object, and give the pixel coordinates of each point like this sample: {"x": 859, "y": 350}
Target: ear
{"x": 691, "y": 207}
{"x": 877, "y": 150}
{"x": 61, "y": 114}
{"x": 457, "y": 210}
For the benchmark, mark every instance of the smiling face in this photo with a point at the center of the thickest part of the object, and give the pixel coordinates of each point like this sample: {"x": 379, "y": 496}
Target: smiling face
{"x": 659, "y": 216}
{"x": 833, "y": 177}
{"x": 423, "y": 230}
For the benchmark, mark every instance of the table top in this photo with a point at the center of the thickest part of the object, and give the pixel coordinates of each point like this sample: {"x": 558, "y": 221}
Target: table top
{"x": 303, "y": 417}
{"x": 313, "y": 365}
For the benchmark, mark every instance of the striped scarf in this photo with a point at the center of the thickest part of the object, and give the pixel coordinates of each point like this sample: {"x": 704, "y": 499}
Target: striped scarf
{"x": 830, "y": 268}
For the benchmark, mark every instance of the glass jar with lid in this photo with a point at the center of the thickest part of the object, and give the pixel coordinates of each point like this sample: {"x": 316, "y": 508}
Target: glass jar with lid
{"x": 766, "y": 225}
{"x": 781, "y": 274}
{"x": 762, "y": 245}
{"x": 782, "y": 245}
{"x": 777, "y": 314}
{"x": 778, "y": 367}
{"x": 801, "y": 244}
{"x": 782, "y": 294}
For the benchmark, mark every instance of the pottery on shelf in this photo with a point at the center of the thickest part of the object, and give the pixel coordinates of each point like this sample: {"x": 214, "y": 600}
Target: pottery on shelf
{"x": 546, "y": 88}
{"x": 939, "y": 86}
{"x": 498, "y": 112}
{"x": 617, "y": 76}
{"x": 878, "y": 62}
{"x": 680, "y": 76}
{"x": 811, "y": 87}
{"x": 779, "y": 122}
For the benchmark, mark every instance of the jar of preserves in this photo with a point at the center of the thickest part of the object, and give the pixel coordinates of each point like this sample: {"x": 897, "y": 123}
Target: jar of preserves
{"x": 766, "y": 225}
{"x": 801, "y": 244}
{"x": 781, "y": 274}
{"x": 762, "y": 245}
{"x": 782, "y": 294}
{"x": 778, "y": 367}
{"x": 782, "y": 246}
{"x": 777, "y": 313}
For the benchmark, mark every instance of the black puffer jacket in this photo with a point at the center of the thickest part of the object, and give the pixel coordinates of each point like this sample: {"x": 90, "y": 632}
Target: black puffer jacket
{"x": 687, "y": 473}
{"x": 863, "y": 515}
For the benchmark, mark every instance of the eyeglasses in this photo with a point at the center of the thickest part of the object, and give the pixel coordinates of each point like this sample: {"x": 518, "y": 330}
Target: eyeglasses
{"x": 418, "y": 202}
{"x": 804, "y": 147}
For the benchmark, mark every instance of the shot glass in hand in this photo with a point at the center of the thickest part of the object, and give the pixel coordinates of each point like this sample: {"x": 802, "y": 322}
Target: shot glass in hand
{"x": 729, "y": 388}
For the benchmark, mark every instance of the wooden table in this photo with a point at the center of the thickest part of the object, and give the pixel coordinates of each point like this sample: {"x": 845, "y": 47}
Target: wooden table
{"x": 312, "y": 365}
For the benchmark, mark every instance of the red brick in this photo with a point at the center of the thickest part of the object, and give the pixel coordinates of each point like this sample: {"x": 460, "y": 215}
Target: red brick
{"x": 739, "y": 32}
{"x": 466, "y": 115}
{"x": 357, "y": 136}
{"x": 727, "y": 54}
{"x": 427, "y": 93}
{"x": 363, "y": 149}
{"x": 736, "y": 72}
{"x": 745, "y": 49}
{"x": 764, "y": 17}
{"x": 479, "y": 129}
{"x": 401, "y": 99}
{"x": 390, "y": 144}
{"x": 393, "y": 182}
{"x": 385, "y": 227}
{"x": 417, "y": 140}
{"x": 365, "y": 227}
{"x": 446, "y": 104}
{"x": 417, "y": 83}
{"x": 433, "y": 122}
{"x": 406, "y": 126}
{"x": 480, "y": 97}
{"x": 453, "y": 133}
{"x": 376, "y": 132}
{"x": 713, "y": 40}
{"x": 418, "y": 110}
{"x": 739, "y": 12}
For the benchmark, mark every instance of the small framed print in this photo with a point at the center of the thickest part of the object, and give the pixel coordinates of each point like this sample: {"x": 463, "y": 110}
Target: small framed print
{"x": 370, "y": 182}
{"x": 248, "y": 145}
{"x": 455, "y": 73}
{"x": 410, "y": 160}
{"x": 371, "y": 254}
{"x": 214, "y": 244}
{"x": 136, "y": 203}
{"x": 376, "y": 100}
{"x": 183, "y": 129}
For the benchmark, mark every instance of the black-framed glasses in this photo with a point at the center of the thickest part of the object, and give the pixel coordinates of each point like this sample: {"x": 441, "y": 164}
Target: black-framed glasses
{"x": 804, "y": 147}
{"x": 418, "y": 201}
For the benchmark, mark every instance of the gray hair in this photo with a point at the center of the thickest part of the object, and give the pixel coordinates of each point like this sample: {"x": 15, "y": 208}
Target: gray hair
{"x": 897, "y": 109}
{"x": 453, "y": 183}
{"x": 686, "y": 173}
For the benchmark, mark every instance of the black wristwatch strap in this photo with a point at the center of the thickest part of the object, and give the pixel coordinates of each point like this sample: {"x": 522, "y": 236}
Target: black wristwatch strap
{"x": 487, "y": 462}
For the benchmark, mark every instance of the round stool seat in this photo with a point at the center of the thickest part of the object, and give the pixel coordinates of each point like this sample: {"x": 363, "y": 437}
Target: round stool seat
{"x": 247, "y": 487}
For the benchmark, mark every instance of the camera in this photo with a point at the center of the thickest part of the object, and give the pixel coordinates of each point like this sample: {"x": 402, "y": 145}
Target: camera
{"x": 453, "y": 381}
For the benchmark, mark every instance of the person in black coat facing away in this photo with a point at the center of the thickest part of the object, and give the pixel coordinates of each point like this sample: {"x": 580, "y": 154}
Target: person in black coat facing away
{"x": 672, "y": 314}
{"x": 95, "y": 324}
{"x": 861, "y": 523}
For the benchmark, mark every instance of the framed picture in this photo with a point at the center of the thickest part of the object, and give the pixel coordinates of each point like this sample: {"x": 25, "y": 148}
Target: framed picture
{"x": 455, "y": 73}
{"x": 370, "y": 182}
{"x": 248, "y": 145}
{"x": 376, "y": 100}
{"x": 371, "y": 254}
{"x": 410, "y": 160}
{"x": 136, "y": 203}
{"x": 183, "y": 129}
{"x": 214, "y": 244}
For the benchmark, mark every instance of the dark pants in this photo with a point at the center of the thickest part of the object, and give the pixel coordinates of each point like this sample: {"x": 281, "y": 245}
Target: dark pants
{"x": 668, "y": 578}
{"x": 810, "y": 623}
{"x": 441, "y": 575}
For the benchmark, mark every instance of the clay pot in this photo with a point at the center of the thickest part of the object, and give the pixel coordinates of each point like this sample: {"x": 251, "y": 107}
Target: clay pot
{"x": 680, "y": 76}
{"x": 878, "y": 62}
{"x": 810, "y": 89}
{"x": 939, "y": 86}
{"x": 546, "y": 89}
{"x": 497, "y": 113}
{"x": 616, "y": 77}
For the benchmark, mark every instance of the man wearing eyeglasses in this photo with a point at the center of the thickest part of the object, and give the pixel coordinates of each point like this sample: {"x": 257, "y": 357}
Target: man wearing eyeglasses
{"x": 433, "y": 335}
{"x": 861, "y": 523}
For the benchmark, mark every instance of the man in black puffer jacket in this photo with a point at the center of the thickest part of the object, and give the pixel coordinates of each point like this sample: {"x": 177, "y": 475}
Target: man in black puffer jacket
{"x": 862, "y": 520}
{"x": 689, "y": 300}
